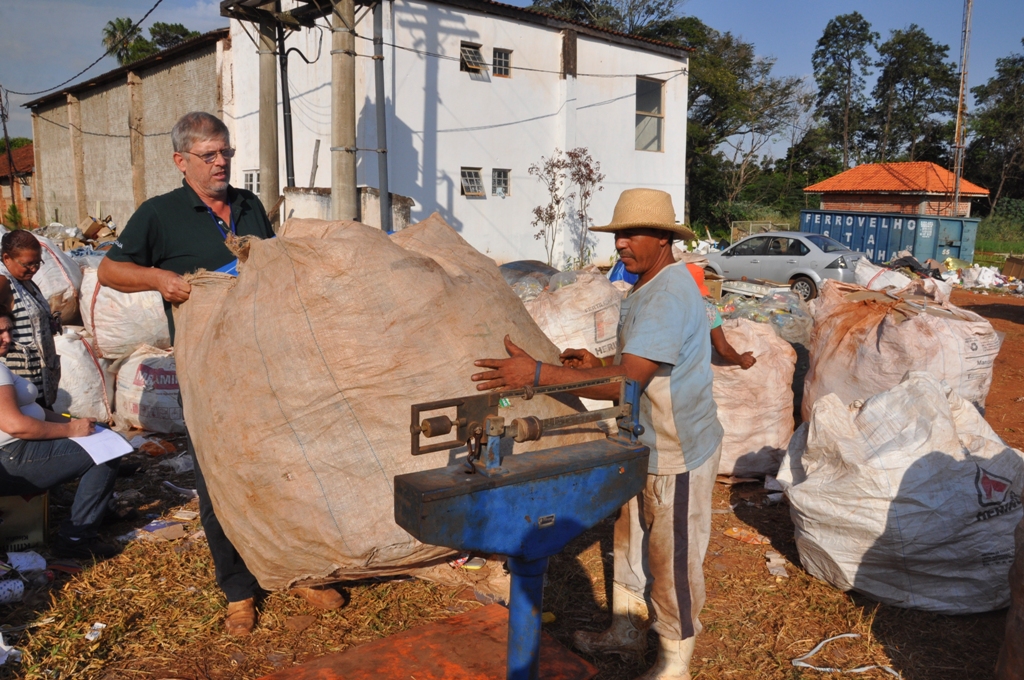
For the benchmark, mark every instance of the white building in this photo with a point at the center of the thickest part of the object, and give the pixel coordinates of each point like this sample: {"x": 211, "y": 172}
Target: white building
{"x": 461, "y": 137}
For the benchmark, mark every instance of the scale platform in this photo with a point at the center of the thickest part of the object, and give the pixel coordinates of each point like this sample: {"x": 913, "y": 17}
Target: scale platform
{"x": 470, "y": 646}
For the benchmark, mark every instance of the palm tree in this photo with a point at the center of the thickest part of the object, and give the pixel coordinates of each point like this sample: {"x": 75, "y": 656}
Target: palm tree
{"x": 118, "y": 36}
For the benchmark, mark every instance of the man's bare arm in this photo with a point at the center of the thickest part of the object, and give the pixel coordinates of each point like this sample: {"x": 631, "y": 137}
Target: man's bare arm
{"x": 520, "y": 368}
{"x": 128, "y": 277}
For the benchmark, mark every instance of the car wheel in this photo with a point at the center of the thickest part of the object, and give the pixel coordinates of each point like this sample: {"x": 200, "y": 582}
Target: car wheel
{"x": 804, "y": 287}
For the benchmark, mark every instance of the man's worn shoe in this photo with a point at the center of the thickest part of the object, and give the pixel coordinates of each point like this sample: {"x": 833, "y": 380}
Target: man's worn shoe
{"x": 241, "y": 617}
{"x": 626, "y": 637}
{"x": 323, "y": 597}
{"x": 83, "y": 548}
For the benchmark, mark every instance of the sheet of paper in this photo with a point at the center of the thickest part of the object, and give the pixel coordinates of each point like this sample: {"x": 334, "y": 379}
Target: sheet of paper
{"x": 104, "y": 445}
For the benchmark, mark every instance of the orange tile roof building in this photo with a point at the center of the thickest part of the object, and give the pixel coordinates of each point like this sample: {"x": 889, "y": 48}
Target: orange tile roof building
{"x": 24, "y": 184}
{"x": 919, "y": 188}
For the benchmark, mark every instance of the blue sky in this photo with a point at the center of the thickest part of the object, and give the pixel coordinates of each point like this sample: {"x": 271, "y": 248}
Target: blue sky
{"x": 43, "y": 42}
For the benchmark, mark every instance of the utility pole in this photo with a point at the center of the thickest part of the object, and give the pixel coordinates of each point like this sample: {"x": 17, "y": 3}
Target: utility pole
{"x": 382, "y": 117}
{"x": 7, "y": 142}
{"x": 270, "y": 183}
{"x": 959, "y": 146}
{"x": 344, "y": 197}
{"x": 286, "y": 105}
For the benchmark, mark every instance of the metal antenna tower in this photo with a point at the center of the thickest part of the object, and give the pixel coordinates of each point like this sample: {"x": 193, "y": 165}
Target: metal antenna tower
{"x": 959, "y": 147}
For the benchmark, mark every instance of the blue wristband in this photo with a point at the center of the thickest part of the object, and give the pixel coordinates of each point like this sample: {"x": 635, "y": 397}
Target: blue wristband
{"x": 536, "y": 375}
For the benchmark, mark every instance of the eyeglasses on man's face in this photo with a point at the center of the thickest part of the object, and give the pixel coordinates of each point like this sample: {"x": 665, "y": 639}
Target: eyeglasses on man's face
{"x": 33, "y": 264}
{"x": 212, "y": 156}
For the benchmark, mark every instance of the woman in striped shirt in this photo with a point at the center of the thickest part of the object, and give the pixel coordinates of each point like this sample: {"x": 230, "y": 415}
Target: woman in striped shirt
{"x": 34, "y": 356}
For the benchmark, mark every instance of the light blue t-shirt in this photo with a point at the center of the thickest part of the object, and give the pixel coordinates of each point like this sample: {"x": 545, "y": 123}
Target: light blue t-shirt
{"x": 666, "y": 321}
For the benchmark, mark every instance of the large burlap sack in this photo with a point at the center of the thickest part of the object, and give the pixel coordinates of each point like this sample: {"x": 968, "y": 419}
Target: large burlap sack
{"x": 580, "y": 309}
{"x": 1011, "y": 657}
{"x": 147, "y": 395}
{"x": 298, "y": 377}
{"x": 86, "y": 380}
{"x": 59, "y": 278}
{"x": 755, "y": 406}
{"x": 120, "y": 322}
{"x": 909, "y": 498}
{"x": 864, "y": 343}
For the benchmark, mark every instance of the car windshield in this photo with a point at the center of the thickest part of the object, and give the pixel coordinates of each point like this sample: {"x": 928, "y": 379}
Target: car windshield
{"x": 826, "y": 244}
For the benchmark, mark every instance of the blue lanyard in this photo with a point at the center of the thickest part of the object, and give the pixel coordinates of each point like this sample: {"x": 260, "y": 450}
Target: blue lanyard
{"x": 220, "y": 228}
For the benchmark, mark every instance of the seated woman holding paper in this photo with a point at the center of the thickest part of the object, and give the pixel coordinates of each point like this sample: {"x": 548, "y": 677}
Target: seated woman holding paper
{"x": 37, "y": 454}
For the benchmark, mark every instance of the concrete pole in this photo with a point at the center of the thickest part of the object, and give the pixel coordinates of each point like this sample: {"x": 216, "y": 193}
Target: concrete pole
{"x": 344, "y": 197}
{"x": 77, "y": 156}
{"x": 382, "y": 117}
{"x": 270, "y": 183}
{"x": 136, "y": 138}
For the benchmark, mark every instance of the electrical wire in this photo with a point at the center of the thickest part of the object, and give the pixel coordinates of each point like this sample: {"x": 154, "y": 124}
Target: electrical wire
{"x": 102, "y": 56}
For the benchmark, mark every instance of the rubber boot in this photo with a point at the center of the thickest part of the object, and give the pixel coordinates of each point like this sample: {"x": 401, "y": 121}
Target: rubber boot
{"x": 626, "y": 637}
{"x": 673, "y": 660}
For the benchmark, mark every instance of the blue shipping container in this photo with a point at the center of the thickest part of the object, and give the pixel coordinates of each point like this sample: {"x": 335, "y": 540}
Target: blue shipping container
{"x": 881, "y": 236}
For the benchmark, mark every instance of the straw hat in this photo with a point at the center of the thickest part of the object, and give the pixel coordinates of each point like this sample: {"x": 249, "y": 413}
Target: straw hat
{"x": 651, "y": 208}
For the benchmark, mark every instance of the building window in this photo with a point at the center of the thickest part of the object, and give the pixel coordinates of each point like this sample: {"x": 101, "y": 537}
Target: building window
{"x": 502, "y": 63}
{"x": 471, "y": 59}
{"x": 472, "y": 182}
{"x": 251, "y": 181}
{"x": 499, "y": 183}
{"x": 26, "y": 190}
{"x": 650, "y": 114}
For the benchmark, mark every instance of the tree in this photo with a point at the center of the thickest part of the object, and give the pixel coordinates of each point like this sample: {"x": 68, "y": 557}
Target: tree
{"x": 552, "y": 173}
{"x": 164, "y": 35}
{"x": 585, "y": 173}
{"x": 915, "y": 97}
{"x": 118, "y": 37}
{"x": 628, "y": 16}
{"x": 996, "y": 154}
{"x": 16, "y": 143}
{"x": 840, "y": 63}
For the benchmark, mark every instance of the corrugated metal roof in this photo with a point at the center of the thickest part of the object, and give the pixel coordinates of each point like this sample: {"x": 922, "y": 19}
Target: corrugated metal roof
{"x": 902, "y": 178}
{"x": 24, "y": 161}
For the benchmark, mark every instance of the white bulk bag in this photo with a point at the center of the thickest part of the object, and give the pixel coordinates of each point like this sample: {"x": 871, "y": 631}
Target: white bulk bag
{"x": 147, "y": 394}
{"x": 59, "y": 279}
{"x": 120, "y": 322}
{"x": 579, "y": 309}
{"x": 755, "y": 406}
{"x": 909, "y": 498}
{"x": 864, "y": 343}
{"x": 86, "y": 381}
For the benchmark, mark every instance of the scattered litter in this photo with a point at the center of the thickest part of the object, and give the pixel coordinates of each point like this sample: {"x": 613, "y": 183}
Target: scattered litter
{"x": 459, "y": 561}
{"x": 5, "y": 628}
{"x": 185, "y": 515}
{"x": 191, "y": 493}
{"x": 162, "y": 530}
{"x": 774, "y": 498}
{"x": 8, "y": 652}
{"x": 747, "y": 536}
{"x": 776, "y": 564}
{"x": 128, "y": 496}
{"x": 783, "y": 310}
{"x": 1019, "y": 400}
{"x": 772, "y": 484}
{"x": 729, "y": 481}
{"x": 297, "y": 624}
{"x": 94, "y": 633}
{"x": 23, "y": 562}
{"x": 800, "y": 662}
{"x": 474, "y": 563}
{"x": 179, "y": 464}
{"x": 11, "y": 590}
{"x": 152, "y": 445}
{"x": 547, "y": 617}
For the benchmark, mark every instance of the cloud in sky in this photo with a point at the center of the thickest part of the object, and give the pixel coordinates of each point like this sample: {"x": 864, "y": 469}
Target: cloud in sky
{"x": 44, "y": 42}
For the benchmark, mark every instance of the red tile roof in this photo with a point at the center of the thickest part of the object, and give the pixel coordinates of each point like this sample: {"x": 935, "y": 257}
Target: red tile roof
{"x": 24, "y": 161}
{"x": 902, "y": 178}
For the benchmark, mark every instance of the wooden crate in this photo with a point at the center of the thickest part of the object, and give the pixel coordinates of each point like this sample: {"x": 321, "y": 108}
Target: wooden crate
{"x": 1014, "y": 266}
{"x": 714, "y": 284}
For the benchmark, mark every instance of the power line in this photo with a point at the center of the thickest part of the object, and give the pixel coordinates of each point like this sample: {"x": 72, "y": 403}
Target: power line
{"x": 102, "y": 56}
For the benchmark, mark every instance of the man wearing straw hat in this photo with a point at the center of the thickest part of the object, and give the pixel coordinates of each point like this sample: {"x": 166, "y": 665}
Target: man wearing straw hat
{"x": 661, "y": 536}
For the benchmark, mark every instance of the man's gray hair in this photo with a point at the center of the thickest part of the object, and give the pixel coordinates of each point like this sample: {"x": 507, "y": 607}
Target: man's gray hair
{"x": 197, "y": 126}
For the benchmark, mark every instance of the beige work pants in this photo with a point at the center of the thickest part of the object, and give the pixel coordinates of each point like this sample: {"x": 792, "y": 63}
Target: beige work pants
{"x": 661, "y": 538}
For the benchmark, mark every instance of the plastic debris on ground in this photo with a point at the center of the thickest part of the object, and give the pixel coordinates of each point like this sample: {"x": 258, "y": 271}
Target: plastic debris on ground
{"x": 191, "y": 493}
{"x": 162, "y": 530}
{"x": 747, "y": 536}
{"x": 776, "y": 564}
{"x": 8, "y": 653}
{"x": 786, "y": 311}
{"x": 94, "y": 633}
{"x": 801, "y": 661}
{"x": 179, "y": 464}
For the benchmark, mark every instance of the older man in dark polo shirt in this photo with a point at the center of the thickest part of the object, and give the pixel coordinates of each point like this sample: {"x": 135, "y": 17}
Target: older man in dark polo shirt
{"x": 176, "y": 234}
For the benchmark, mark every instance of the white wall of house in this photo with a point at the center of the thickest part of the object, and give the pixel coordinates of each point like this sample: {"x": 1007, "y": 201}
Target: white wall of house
{"x": 442, "y": 119}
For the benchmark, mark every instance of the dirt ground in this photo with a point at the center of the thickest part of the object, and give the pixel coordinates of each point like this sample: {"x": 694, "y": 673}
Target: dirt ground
{"x": 163, "y": 612}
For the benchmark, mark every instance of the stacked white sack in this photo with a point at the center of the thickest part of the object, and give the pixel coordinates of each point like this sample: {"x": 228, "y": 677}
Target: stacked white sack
{"x": 86, "y": 380}
{"x": 119, "y": 322}
{"x": 147, "y": 394}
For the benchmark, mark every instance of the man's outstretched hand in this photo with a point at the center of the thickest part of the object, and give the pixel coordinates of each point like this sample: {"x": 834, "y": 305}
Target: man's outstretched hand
{"x": 579, "y": 358}
{"x": 510, "y": 374}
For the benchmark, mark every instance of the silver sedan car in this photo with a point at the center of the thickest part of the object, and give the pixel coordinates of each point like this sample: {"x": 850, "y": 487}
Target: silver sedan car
{"x": 789, "y": 257}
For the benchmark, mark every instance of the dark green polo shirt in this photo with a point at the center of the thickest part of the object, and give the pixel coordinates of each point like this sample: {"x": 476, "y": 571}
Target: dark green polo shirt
{"x": 177, "y": 232}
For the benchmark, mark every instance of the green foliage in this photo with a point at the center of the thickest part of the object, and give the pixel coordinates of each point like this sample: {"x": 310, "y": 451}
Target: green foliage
{"x": 841, "y": 62}
{"x": 124, "y": 41}
{"x": 915, "y": 99}
{"x": 164, "y": 35}
{"x": 16, "y": 143}
{"x": 13, "y": 218}
{"x": 995, "y": 157}
{"x": 628, "y": 16}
